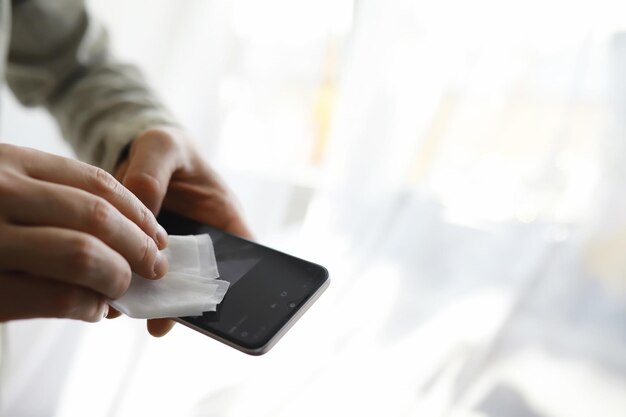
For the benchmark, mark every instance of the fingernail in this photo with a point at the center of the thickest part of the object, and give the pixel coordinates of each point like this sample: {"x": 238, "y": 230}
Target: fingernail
{"x": 105, "y": 311}
{"x": 160, "y": 266}
{"x": 161, "y": 237}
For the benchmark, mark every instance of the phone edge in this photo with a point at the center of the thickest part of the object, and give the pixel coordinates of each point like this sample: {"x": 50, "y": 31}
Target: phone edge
{"x": 279, "y": 334}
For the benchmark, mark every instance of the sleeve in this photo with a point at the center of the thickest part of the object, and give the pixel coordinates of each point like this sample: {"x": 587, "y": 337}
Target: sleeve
{"x": 59, "y": 58}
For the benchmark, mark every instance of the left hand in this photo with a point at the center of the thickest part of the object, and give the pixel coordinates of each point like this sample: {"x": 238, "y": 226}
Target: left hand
{"x": 163, "y": 169}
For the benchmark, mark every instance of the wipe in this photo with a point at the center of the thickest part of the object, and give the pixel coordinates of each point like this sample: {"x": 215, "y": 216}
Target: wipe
{"x": 189, "y": 288}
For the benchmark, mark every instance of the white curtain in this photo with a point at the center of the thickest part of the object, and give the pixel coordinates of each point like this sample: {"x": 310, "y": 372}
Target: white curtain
{"x": 458, "y": 167}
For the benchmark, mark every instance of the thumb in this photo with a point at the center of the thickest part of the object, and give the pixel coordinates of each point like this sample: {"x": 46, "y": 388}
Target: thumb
{"x": 151, "y": 164}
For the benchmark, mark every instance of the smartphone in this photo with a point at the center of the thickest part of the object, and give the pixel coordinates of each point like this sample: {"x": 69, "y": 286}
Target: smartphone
{"x": 269, "y": 290}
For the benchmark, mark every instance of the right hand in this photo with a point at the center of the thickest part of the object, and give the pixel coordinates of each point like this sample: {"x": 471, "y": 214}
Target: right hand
{"x": 70, "y": 235}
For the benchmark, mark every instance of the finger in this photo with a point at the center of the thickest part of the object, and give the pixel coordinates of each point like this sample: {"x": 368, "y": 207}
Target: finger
{"x": 72, "y": 208}
{"x": 65, "y": 256}
{"x": 230, "y": 222}
{"x": 160, "y": 327}
{"x": 238, "y": 227}
{"x": 26, "y": 297}
{"x": 113, "y": 313}
{"x": 213, "y": 207}
{"x": 120, "y": 171}
{"x": 152, "y": 161}
{"x": 65, "y": 171}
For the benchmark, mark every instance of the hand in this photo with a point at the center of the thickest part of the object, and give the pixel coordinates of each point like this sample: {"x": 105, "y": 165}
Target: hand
{"x": 70, "y": 235}
{"x": 164, "y": 169}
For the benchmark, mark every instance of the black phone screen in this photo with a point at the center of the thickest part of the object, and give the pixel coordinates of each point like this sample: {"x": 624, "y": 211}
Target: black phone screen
{"x": 267, "y": 287}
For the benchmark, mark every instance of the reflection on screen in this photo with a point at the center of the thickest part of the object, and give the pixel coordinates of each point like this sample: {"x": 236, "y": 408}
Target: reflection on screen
{"x": 235, "y": 258}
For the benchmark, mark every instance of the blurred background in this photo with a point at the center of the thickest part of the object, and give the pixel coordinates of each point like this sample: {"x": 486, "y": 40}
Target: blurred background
{"x": 459, "y": 167}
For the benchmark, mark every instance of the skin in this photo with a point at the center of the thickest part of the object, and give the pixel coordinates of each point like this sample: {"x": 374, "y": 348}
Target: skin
{"x": 70, "y": 235}
{"x": 163, "y": 169}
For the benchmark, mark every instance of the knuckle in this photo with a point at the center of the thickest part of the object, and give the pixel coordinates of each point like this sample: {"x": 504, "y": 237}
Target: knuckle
{"x": 5, "y": 150}
{"x": 100, "y": 213}
{"x": 23, "y": 154}
{"x": 104, "y": 182}
{"x": 8, "y": 150}
{"x": 149, "y": 251}
{"x": 144, "y": 183}
{"x": 7, "y": 188}
{"x": 145, "y": 218}
{"x": 160, "y": 138}
{"x": 11, "y": 184}
{"x": 82, "y": 255}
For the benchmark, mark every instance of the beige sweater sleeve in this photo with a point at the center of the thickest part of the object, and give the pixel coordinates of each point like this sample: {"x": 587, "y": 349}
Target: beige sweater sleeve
{"x": 59, "y": 58}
